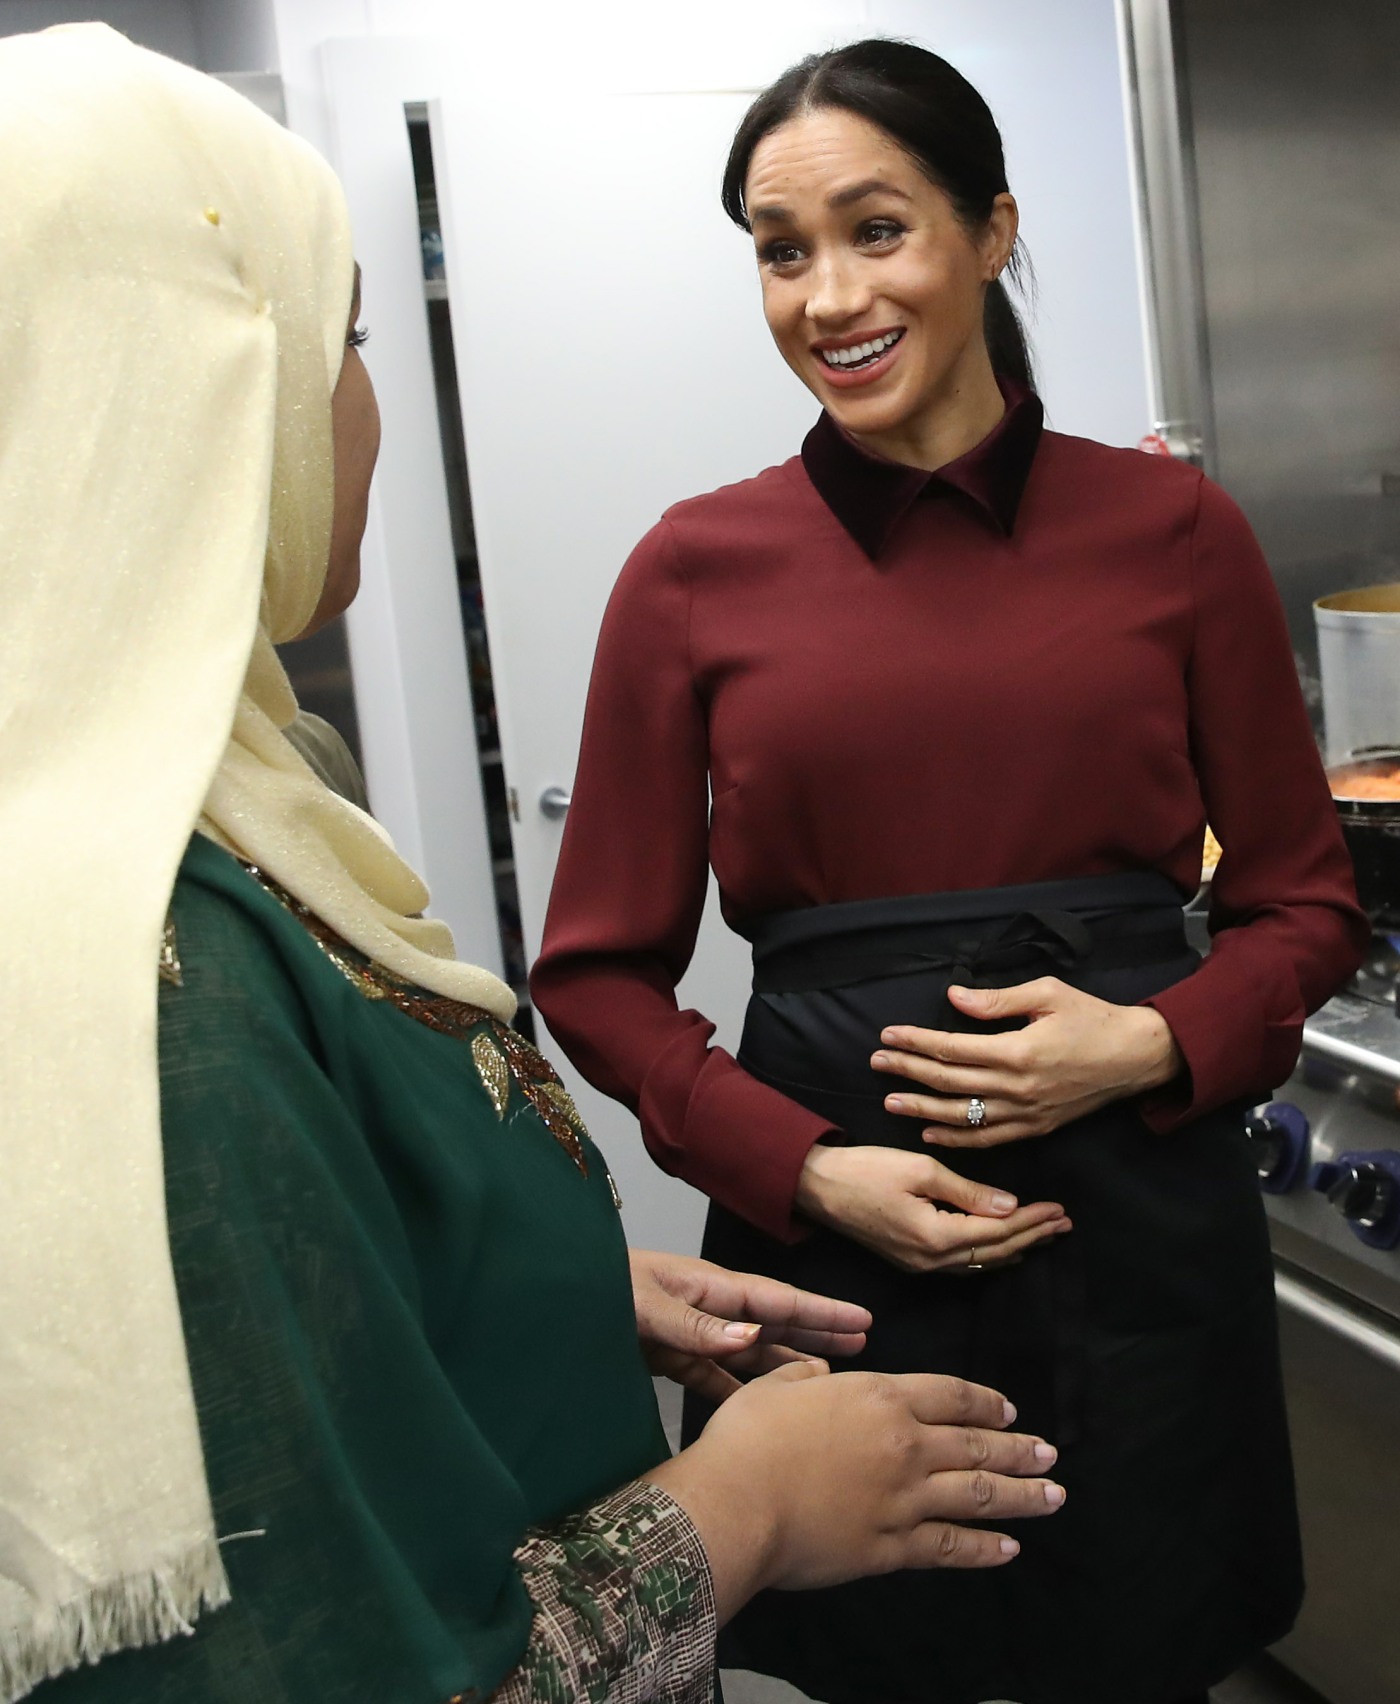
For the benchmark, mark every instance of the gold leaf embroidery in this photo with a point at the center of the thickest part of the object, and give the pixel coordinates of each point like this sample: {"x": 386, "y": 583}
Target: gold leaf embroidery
{"x": 565, "y": 1103}
{"x": 509, "y": 1056}
{"x": 494, "y": 1072}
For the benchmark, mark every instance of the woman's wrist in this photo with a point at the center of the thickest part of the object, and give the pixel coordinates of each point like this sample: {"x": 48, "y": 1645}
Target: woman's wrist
{"x": 1155, "y": 1057}
{"x": 733, "y": 1518}
{"x": 816, "y": 1183}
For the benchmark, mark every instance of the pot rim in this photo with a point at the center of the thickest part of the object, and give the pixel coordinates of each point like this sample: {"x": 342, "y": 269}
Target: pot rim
{"x": 1369, "y": 606}
{"x": 1374, "y": 813}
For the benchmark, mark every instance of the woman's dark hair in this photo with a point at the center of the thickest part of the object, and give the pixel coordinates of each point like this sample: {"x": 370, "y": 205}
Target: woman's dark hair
{"x": 940, "y": 121}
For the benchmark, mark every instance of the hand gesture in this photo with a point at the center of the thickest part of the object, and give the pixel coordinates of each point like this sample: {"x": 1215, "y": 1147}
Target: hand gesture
{"x": 915, "y": 1213}
{"x": 701, "y": 1324}
{"x": 1075, "y": 1054}
{"x": 808, "y": 1478}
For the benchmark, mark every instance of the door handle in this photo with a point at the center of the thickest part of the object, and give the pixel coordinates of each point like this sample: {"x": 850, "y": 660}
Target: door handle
{"x": 555, "y": 802}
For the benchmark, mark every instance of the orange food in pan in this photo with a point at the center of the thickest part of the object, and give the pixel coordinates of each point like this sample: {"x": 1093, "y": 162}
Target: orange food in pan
{"x": 1365, "y": 781}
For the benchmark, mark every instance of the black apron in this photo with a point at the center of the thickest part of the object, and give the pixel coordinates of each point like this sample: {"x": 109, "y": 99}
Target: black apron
{"x": 1143, "y": 1343}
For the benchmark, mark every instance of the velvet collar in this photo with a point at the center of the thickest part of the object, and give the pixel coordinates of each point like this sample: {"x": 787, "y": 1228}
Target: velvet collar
{"x": 870, "y": 496}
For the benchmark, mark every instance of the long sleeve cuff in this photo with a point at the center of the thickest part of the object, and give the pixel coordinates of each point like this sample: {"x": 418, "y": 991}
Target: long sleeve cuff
{"x": 1234, "y": 1048}
{"x": 624, "y": 1607}
{"x": 736, "y": 1139}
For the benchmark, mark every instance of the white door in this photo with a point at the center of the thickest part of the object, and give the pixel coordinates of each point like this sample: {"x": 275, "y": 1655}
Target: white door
{"x": 612, "y": 359}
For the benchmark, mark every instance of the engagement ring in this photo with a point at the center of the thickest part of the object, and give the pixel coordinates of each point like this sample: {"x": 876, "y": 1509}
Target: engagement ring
{"x": 976, "y": 1111}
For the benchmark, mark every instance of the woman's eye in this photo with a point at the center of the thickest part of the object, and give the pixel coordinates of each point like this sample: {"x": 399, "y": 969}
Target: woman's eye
{"x": 880, "y": 231}
{"x": 780, "y": 253}
{"x": 358, "y": 337}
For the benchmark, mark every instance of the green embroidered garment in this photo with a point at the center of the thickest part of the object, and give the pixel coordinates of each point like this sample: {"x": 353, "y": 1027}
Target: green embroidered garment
{"x": 409, "y": 1320}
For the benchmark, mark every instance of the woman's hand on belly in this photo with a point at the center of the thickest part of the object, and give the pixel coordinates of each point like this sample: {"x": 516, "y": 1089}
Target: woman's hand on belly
{"x": 1075, "y": 1054}
{"x": 896, "y": 1204}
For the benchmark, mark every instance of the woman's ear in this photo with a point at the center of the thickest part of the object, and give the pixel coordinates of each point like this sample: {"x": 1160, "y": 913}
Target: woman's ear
{"x": 1003, "y": 223}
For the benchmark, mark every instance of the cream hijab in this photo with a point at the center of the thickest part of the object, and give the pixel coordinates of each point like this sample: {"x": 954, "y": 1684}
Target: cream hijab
{"x": 175, "y": 276}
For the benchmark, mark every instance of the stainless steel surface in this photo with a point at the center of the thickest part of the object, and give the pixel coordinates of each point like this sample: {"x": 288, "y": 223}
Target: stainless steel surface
{"x": 1165, "y": 183}
{"x": 1343, "y": 1403}
{"x": 1294, "y": 115}
{"x": 555, "y": 802}
{"x": 1334, "y": 1315}
{"x": 1358, "y": 651}
{"x": 1362, "y": 1035}
{"x": 1339, "y": 1326}
{"x": 1348, "y": 1086}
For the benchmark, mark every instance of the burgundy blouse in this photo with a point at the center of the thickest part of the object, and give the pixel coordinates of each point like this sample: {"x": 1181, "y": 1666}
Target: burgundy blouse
{"x": 848, "y": 679}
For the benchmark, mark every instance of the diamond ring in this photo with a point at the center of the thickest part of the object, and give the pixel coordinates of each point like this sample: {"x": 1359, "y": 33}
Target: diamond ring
{"x": 976, "y": 1111}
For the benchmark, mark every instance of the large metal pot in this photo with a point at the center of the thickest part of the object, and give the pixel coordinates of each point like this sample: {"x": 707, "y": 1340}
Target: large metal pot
{"x": 1358, "y": 649}
{"x": 1371, "y": 828}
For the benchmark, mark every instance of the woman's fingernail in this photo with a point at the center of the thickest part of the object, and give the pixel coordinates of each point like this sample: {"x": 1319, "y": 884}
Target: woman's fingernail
{"x": 1009, "y": 1547}
{"x": 893, "y": 1103}
{"x": 888, "y": 1037}
{"x": 1045, "y": 1452}
{"x": 737, "y": 1328}
{"x": 1002, "y": 1202}
{"x": 1008, "y": 1412}
{"x": 880, "y": 1059}
{"x": 1054, "y": 1494}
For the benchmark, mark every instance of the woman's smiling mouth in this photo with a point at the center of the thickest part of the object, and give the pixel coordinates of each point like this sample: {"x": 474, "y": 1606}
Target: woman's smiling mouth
{"x": 859, "y": 362}
{"x": 860, "y": 354}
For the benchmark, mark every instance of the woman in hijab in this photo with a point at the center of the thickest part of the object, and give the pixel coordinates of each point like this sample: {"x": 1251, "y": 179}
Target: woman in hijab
{"x": 319, "y": 1345}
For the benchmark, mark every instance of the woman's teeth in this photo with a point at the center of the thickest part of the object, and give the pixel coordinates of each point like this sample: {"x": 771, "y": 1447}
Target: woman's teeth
{"x": 860, "y": 354}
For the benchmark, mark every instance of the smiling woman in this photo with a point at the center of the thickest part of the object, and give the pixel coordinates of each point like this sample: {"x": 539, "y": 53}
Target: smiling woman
{"x": 874, "y": 291}
{"x": 943, "y": 701}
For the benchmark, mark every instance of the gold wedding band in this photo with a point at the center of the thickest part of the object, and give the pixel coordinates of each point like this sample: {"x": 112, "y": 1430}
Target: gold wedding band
{"x": 973, "y": 1263}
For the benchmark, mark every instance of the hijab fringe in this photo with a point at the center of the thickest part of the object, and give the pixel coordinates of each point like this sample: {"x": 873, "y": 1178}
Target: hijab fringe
{"x": 145, "y": 1609}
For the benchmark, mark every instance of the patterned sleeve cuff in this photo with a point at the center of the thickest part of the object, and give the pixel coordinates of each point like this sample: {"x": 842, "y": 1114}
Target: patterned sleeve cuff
{"x": 624, "y": 1607}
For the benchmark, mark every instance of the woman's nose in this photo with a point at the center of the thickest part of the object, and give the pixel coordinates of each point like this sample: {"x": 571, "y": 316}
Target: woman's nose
{"x": 838, "y": 292}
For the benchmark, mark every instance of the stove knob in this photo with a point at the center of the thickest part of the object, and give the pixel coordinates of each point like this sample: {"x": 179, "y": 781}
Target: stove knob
{"x": 1363, "y": 1192}
{"x": 1278, "y": 1142}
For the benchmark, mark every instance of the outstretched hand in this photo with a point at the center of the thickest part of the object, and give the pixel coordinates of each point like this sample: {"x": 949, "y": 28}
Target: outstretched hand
{"x": 701, "y": 1324}
{"x": 1075, "y": 1054}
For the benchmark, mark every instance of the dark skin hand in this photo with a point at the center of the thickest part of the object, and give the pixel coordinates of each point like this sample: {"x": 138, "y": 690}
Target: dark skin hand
{"x": 709, "y": 1329}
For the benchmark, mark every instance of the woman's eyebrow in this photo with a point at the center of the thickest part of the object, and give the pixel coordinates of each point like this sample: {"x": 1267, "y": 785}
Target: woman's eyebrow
{"x": 859, "y": 191}
{"x": 842, "y": 198}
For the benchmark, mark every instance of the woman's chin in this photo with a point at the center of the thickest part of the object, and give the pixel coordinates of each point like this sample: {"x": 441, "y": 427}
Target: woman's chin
{"x": 340, "y": 591}
{"x": 866, "y": 417}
